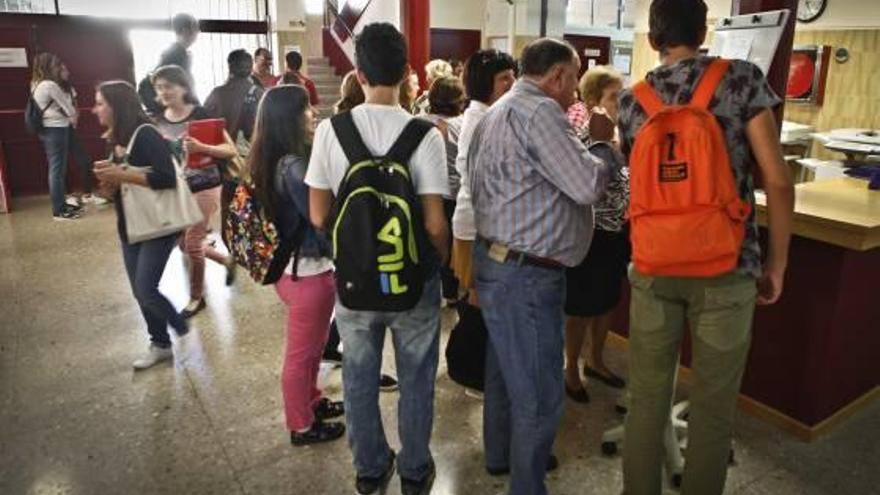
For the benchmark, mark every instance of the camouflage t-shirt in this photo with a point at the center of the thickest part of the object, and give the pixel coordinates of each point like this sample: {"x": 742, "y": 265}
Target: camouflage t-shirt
{"x": 742, "y": 94}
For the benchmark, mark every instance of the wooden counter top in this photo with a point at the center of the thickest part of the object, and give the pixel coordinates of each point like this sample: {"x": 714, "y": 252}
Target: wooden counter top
{"x": 843, "y": 212}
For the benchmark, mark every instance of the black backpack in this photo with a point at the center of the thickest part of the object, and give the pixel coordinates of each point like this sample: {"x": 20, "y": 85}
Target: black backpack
{"x": 33, "y": 115}
{"x": 380, "y": 247}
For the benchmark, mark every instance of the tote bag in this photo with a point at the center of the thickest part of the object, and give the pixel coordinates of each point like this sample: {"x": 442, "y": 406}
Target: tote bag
{"x": 153, "y": 213}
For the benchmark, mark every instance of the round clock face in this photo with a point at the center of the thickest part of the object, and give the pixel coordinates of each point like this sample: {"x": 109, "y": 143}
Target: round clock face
{"x": 810, "y": 10}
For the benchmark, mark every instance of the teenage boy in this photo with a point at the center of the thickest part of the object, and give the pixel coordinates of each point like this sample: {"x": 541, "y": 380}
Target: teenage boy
{"x": 718, "y": 307}
{"x": 186, "y": 31}
{"x": 294, "y": 62}
{"x": 381, "y": 59}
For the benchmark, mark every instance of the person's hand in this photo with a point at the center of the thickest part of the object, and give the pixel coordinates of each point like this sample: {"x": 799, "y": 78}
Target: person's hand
{"x": 74, "y": 119}
{"x": 770, "y": 286}
{"x": 109, "y": 173}
{"x": 193, "y": 145}
{"x": 601, "y": 125}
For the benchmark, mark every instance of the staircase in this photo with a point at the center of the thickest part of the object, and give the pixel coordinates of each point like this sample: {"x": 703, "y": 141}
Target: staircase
{"x": 327, "y": 82}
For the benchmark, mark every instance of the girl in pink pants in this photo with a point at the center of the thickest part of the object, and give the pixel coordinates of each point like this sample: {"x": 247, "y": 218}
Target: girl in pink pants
{"x": 277, "y": 165}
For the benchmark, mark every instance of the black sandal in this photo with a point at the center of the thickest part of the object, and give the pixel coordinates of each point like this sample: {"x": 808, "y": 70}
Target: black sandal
{"x": 318, "y": 433}
{"x": 328, "y": 409}
{"x": 579, "y": 395}
{"x": 610, "y": 379}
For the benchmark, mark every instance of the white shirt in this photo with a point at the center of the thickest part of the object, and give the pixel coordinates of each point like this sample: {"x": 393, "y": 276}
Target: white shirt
{"x": 61, "y": 109}
{"x": 307, "y": 267}
{"x": 379, "y": 127}
{"x": 463, "y": 219}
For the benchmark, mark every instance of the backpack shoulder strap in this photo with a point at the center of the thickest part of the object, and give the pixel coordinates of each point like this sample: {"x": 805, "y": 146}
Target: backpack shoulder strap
{"x": 409, "y": 140}
{"x": 648, "y": 98}
{"x": 709, "y": 83}
{"x": 350, "y": 138}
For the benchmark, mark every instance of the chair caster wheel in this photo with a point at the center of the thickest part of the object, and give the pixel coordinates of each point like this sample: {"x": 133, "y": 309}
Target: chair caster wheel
{"x": 620, "y": 409}
{"x": 676, "y": 480}
{"x": 609, "y": 448}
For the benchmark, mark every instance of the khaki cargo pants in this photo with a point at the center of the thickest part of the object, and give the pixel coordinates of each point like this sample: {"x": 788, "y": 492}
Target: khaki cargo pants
{"x": 719, "y": 313}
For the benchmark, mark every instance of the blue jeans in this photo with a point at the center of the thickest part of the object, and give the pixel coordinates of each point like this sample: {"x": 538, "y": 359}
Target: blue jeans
{"x": 59, "y": 142}
{"x": 56, "y": 143}
{"x": 145, "y": 262}
{"x": 523, "y": 310}
{"x": 416, "y": 337}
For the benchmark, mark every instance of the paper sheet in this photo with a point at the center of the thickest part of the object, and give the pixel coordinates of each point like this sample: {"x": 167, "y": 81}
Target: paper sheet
{"x": 738, "y": 45}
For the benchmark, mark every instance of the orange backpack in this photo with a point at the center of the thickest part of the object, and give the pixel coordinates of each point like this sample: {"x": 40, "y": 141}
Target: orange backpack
{"x": 686, "y": 216}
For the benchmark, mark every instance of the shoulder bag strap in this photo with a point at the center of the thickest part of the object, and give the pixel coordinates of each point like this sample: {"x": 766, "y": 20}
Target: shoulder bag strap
{"x": 709, "y": 83}
{"x": 648, "y": 98}
{"x": 350, "y": 138}
{"x": 408, "y": 141}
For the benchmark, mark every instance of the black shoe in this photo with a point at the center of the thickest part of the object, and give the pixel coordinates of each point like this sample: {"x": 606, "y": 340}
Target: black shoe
{"x": 610, "y": 379}
{"x": 423, "y": 487}
{"x": 189, "y": 311}
{"x": 387, "y": 384}
{"x": 580, "y": 395}
{"x": 369, "y": 486}
{"x": 552, "y": 464}
{"x": 328, "y": 409}
{"x": 66, "y": 214}
{"x": 332, "y": 356}
{"x": 318, "y": 433}
{"x": 231, "y": 270}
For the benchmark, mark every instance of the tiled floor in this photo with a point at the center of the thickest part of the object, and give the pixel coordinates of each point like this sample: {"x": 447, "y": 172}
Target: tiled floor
{"x": 74, "y": 418}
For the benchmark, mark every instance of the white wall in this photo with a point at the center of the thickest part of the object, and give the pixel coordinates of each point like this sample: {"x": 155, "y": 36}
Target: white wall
{"x": 380, "y": 11}
{"x": 458, "y": 14}
{"x": 847, "y": 14}
{"x": 839, "y": 14}
{"x": 287, "y": 14}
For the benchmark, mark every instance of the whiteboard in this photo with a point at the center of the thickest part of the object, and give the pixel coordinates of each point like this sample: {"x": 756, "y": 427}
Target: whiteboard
{"x": 751, "y": 37}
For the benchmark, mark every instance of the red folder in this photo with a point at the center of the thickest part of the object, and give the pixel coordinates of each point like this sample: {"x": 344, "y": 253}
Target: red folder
{"x": 208, "y": 131}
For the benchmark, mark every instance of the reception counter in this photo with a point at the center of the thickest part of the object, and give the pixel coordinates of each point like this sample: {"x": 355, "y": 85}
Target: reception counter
{"x": 816, "y": 353}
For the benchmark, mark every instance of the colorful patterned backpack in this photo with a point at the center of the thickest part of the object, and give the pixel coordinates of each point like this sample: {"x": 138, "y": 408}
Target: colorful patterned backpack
{"x": 254, "y": 241}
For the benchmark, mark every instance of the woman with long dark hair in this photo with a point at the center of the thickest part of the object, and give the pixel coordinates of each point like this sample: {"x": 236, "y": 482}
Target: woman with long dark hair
{"x": 59, "y": 114}
{"x": 149, "y": 163}
{"x": 174, "y": 89}
{"x": 277, "y": 166}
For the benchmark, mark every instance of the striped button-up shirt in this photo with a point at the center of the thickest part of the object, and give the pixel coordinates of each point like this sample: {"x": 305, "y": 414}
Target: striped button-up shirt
{"x": 533, "y": 180}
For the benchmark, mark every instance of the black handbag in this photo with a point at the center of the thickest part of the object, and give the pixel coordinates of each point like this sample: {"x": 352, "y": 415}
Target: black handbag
{"x": 466, "y": 349}
{"x": 200, "y": 179}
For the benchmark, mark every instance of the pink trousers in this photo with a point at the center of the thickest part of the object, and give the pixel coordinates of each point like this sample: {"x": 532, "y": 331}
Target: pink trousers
{"x": 192, "y": 242}
{"x": 309, "y": 303}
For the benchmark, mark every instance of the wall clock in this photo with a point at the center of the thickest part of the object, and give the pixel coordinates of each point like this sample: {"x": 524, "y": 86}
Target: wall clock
{"x": 810, "y": 10}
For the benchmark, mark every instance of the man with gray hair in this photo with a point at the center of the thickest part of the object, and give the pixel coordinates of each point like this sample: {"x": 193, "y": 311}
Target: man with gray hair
{"x": 533, "y": 182}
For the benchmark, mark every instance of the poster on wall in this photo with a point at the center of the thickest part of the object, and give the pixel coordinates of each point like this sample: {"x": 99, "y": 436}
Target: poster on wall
{"x": 13, "y": 57}
{"x": 807, "y": 74}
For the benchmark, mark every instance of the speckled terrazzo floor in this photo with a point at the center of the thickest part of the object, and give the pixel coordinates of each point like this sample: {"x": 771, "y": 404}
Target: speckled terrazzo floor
{"x": 75, "y": 419}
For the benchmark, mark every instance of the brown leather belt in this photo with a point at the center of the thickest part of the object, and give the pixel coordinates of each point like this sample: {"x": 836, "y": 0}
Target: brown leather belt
{"x": 521, "y": 258}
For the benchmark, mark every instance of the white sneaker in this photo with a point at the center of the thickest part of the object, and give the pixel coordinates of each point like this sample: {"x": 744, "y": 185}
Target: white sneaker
{"x": 153, "y": 357}
{"x": 93, "y": 199}
{"x": 73, "y": 201}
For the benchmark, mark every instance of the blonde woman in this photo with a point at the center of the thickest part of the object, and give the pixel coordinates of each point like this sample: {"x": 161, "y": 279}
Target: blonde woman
{"x": 593, "y": 287}
{"x": 434, "y": 70}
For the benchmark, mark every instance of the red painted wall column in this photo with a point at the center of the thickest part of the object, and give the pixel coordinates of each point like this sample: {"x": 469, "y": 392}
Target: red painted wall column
{"x": 416, "y": 16}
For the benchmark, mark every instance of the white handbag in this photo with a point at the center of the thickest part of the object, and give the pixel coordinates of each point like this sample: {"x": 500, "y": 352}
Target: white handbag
{"x": 153, "y": 213}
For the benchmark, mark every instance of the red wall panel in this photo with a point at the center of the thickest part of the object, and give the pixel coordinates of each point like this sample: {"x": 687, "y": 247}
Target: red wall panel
{"x": 581, "y": 43}
{"x": 94, "y": 51}
{"x": 454, "y": 43}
